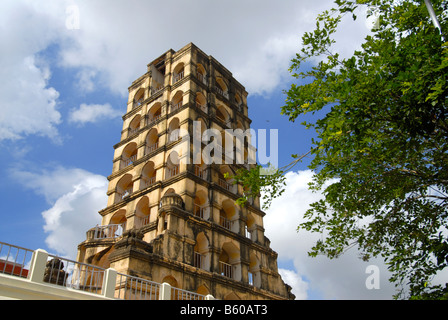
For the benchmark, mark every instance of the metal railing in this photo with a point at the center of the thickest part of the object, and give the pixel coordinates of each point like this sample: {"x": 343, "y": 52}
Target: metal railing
{"x": 180, "y": 294}
{"x": 109, "y": 231}
{"x": 225, "y": 269}
{"x": 14, "y": 260}
{"x": 41, "y": 267}
{"x": 73, "y": 274}
{"x": 133, "y": 288}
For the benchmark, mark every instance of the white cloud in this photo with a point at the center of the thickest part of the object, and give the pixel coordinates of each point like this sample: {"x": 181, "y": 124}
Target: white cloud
{"x": 75, "y": 196}
{"x": 254, "y": 39}
{"x": 320, "y": 277}
{"x": 28, "y": 104}
{"x": 93, "y": 113}
{"x": 298, "y": 285}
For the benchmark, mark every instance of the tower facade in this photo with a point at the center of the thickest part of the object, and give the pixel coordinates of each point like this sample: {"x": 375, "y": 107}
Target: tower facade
{"x": 171, "y": 214}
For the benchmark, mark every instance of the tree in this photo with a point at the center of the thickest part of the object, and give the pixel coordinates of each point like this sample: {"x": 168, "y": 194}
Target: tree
{"x": 383, "y": 136}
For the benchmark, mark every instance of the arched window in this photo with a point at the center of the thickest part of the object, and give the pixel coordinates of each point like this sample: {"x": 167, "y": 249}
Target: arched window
{"x": 124, "y": 188}
{"x": 221, "y": 87}
{"x": 228, "y": 216}
{"x": 254, "y": 275}
{"x": 142, "y": 212}
{"x": 201, "y": 102}
{"x": 229, "y": 261}
{"x": 148, "y": 177}
{"x": 134, "y": 126}
{"x": 155, "y": 113}
{"x": 173, "y": 130}
{"x": 172, "y": 165}
{"x": 178, "y": 73}
{"x": 201, "y": 206}
{"x": 201, "y": 252}
{"x": 152, "y": 141}
{"x": 129, "y": 155}
{"x": 177, "y": 101}
{"x": 201, "y": 73}
{"x": 138, "y": 97}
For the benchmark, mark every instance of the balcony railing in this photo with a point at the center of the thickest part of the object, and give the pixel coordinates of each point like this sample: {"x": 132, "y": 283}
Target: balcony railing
{"x": 176, "y": 106}
{"x": 151, "y": 148}
{"x": 133, "y": 288}
{"x": 199, "y": 211}
{"x": 225, "y": 269}
{"x": 128, "y": 161}
{"x": 200, "y": 172}
{"x": 146, "y": 182}
{"x": 226, "y": 223}
{"x": 14, "y": 260}
{"x": 178, "y": 77}
{"x": 201, "y": 78}
{"x": 51, "y": 270}
{"x": 108, "y": 231}
{"x": 171, "y": 172}
{"x": 198, "y": 260}
{"x": 223, "y": 183}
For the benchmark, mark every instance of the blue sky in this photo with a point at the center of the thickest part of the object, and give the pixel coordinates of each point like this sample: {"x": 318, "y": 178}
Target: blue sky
{"x": 65, "y": 68}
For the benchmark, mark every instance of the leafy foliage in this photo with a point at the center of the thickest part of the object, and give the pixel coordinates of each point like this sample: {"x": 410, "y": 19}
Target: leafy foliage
{"x": 383, "y": 137}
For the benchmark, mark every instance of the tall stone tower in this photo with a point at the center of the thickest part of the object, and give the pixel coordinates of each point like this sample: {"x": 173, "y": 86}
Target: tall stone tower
{"x": 171, "y": 214}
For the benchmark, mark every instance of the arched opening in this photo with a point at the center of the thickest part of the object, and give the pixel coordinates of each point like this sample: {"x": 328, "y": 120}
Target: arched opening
{"x": 173, "y": 130}
{"x": 228, "y": 217}
{"x": 201, "y": 74}
{"x": 221, "y": 87}
{"x": 148, "y": 177}
{"x": 177, "y": 101}
{"x": 172, "y": 165}
{"x": 124, "y": 188}
{"x": 201, "y": 205}
{"x": 254, "y": 276}
{"x": 129, "y": 155}
{"x": 142, "y": 212}
{"x": 201, "y": 102}
{"x": 139, "y": 97}
{"x": 203, "y": 290}
{"x": 152, "y": 141}
{"x": 178, "y": 73}
{"x": 225, "y": 179}
{"x": 154, "y": 113}
{"x": 250, "y": 227}
{"x": 229, "y": 261}
{"x": 222, "y": 114}
{"x": 116, "y": 226}
{"x": 201, "y": 252}
{"x": 134, "y": 126}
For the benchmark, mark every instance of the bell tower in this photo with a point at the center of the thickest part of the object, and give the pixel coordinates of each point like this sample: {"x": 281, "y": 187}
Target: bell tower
{"x": 171, "y": 214}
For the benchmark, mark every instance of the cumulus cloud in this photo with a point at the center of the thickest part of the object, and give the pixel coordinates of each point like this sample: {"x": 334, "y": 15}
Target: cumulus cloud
{"x": 75, "y": 197}
{"x": 89, "y": 113}
{"x": 320, "y": 277}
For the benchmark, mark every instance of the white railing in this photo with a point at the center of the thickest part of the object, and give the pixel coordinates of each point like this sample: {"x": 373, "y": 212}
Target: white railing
{"x": 198, "y": 260}
{"x": 125, "y": 193}
{"x": 180, "y": 294}
{"x": 156, "y": 89}
{"x": 226, "y": 223}
{"x": 128, "y": 161}
{"x": 151, "y": 119}
{"x": 146, "y": 182}
{"x": 109, "y": 231}
{"x": 201, "y": 78}
{"x": 200, "y": 172}
{"x": 48, "y": 269}
{"x": 143, "y": 221}
{"x": 203, "y": 107}
{"x": 14, "y": 260}
{"x": 151, "y": 148}
{"x": 199, "y": 211}
{"x": 225, "y": 269}
{"x": 171, "y": 172}
{"x": 133, "y": 288}
{"x": 176, "y": 106}
{"x": 73, "y": 274}
{"x": 178, "y": 77}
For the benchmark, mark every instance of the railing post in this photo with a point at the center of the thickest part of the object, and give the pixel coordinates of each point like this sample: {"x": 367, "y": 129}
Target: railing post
{"x": 109, "y": 282}
{"x": 38, "y": 264}
{"x": 165, "y": 291}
